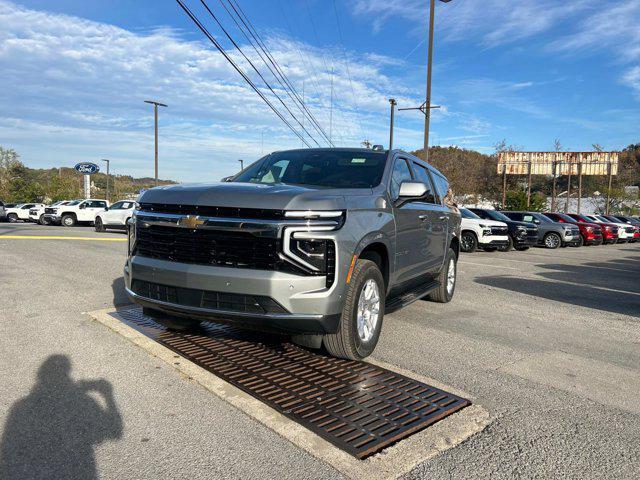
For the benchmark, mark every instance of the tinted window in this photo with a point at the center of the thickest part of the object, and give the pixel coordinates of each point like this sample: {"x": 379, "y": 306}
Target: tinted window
{"x": 116, "y": 206}
{"x": 442, "y": 186}
{"x": 542, "y": 218}
{"x": 401, "y": 173}
{"x": 514, "y": 216}
{"x": 528, "y": 218}
{"x": 95, "y": 204}
{"x": 327, "y": 169}
{"x": 422, "y": 175}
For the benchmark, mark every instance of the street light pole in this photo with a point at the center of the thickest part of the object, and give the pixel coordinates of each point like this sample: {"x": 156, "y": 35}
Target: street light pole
{"x": 241, "y": 164}
{"x": 106, "y": 160}
{"x": 155, "y": 114}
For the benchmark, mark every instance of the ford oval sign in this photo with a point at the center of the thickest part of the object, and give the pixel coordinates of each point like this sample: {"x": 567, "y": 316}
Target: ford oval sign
{"x": 87, "y": 168}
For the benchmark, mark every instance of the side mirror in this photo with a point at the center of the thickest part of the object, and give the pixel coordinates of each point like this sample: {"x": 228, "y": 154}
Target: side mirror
{"x": 412, "y": 190}
{"x": 226, "y": 179}
{"x": 106, "y": 209}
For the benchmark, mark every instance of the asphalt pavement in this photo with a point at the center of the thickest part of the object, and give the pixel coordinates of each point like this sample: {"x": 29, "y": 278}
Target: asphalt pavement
{"x": 548, "y": 342}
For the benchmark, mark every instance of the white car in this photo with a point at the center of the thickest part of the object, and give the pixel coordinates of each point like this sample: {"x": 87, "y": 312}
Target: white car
{"x": 477, "y": 233}
{"x": 115, "y": 216}
{"x": 79, "y": 211}
{"x": 625, "y": 232}
{"x": 21, "y": 211}
{"x": 38, "y": 214}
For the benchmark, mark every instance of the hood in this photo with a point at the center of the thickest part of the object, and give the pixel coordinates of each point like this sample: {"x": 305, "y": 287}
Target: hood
{"x": 516, "y": 223}
{"x": 490, "y": 223}
{"x": 252, "y": 195}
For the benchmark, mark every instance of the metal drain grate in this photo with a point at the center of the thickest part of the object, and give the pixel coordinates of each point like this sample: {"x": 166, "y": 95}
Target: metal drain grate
{"x": 359, "y": 407}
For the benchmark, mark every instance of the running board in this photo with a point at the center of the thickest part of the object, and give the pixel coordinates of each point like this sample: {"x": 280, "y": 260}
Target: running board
{"x": 396, "y": 303}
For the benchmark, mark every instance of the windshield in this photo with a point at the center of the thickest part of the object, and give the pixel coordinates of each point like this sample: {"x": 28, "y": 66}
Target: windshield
{"x": 542, "y": 218}
{"x": 501, "y": 217}
{"x": 75, "y": 202}
{"x": 468, "y": 214}
{"x": 566, "y": 218}
{"x": 325, "y": 169}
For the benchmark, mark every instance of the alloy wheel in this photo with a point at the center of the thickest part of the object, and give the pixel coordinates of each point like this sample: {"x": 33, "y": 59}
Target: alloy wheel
{"x": 368, "y": 310}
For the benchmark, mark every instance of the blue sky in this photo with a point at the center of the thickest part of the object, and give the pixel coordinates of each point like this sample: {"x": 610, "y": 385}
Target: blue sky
{"x": 75, "y": 74}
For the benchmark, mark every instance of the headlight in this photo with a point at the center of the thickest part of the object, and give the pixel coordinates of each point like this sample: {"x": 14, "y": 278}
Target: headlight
{"x": 313, "y": 252}
{"x": 482, "y": 225}
{"x": 486, "y": 231}
{"x": 589, "y": 229}
{"x": 313, "y": 214}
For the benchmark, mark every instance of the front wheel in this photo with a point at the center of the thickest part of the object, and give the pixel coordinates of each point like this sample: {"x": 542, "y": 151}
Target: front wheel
{"x": 468, "y": 242}
{"x": 521, "y": 249}
{"x": 98, "y": 225}
{"x": 44, "y": 220}
{"x": 552, "y": 240}
{"x": 508, "y": 247}
{"x": 361, "y": 319}
{"x": 12, "y": 217}
{"x": 447, "y": 280}
{"x": 68, "y": 220}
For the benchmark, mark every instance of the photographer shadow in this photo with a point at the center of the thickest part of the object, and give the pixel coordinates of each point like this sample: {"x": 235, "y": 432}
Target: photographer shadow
{"x": 52, "y": 432}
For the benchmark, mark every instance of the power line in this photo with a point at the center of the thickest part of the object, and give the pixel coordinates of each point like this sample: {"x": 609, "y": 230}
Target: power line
{"x": 256, "y": 70}
{"x": 346, "y": 62}
{"x": 278, "y": 74}
{"x": 238, "y": 69}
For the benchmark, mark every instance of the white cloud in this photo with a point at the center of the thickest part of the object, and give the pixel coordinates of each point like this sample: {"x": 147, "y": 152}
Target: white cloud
{"x": 632, "y": 79}
{"x": 492, "y": 22}
{"x": 76, "y": 89}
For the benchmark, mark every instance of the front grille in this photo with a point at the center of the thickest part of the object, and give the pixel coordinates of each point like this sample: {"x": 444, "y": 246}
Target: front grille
{"x": 189, "y": 297}
{"x": 499, "y": 230}
{"x": 209, "y": 247}
{"x": 208, "y": 211}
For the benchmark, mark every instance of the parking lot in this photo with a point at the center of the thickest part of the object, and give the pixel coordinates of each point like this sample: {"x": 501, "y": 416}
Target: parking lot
{"x": 546, "y": 341}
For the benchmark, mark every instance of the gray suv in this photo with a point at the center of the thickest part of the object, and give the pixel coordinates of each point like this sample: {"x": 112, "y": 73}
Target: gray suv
{"x": 316, "y": 243}
{"x": 551, "y": 234}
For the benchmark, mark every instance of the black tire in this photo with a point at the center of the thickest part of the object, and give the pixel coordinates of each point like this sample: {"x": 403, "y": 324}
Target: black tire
{"x": 508, "y": 247}
{"x": 171, "y": 322}
{"x": 444, "y": 292}
{"x": 580, "y": 243}
{"x": 68, "y": 220}
{"x": 98, "y": 226}
{"x": 346, "y": 342}
{"x": 490, "y": 249}
{"x": 44, "y": 220}
{"x": 552, "y": 240}
{"x": 12, "y": 218}
{"x": 468, "y": 242}
{"x": 521, "y": 249}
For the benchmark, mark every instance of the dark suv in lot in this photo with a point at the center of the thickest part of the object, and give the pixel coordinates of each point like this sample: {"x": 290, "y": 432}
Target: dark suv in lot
{"x": 522, "y": 235}
{"x": 315, "y": 243}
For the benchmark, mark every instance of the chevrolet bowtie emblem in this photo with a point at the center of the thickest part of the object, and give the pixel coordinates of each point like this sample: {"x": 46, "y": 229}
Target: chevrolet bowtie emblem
{"x": 191, "y": 221}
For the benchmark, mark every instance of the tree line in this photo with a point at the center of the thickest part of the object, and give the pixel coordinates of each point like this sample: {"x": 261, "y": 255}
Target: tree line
{"x": 21, "y": 184}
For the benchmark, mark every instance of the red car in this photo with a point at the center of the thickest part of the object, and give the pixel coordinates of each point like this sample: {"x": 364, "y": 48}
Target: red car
{"x": 609, "y": 230}
{"x": 591, "y": 233}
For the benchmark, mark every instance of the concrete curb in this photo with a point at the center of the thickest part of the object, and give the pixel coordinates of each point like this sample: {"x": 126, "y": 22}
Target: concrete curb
{"x": 393, "y": 462}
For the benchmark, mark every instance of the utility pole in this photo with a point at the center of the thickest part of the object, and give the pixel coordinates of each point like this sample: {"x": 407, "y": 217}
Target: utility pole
{"x": 427, "y": 117}
{"x": 155, "y": 114}
{"x": 241, "y": 164}
{"x": 393, "y": 103}
{"x": 302, "y": 140}
{"x": 106, "y": 160}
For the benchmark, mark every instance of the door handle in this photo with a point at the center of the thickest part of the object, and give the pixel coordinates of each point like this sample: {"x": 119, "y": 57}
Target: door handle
{"x": 423, "y": 217}
{"x": 442, "y": 217}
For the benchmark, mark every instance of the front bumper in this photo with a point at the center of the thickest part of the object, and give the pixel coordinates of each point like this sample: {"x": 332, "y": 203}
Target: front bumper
{"x": 308, "y": 306}
{"x": 493, "y": 241}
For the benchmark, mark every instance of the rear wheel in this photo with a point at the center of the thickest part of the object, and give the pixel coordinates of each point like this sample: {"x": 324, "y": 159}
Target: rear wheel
{"x": 468, "y": 242}
{"x": 580, "y": 242}
{"x": 447, "y": 279}
{"x": 171, "y": 322}
{"x": 362, "y": 314}
{"x": 521, "y": 249}
{"x": 68, "y": 220}
{"x": 552, "y": 240}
